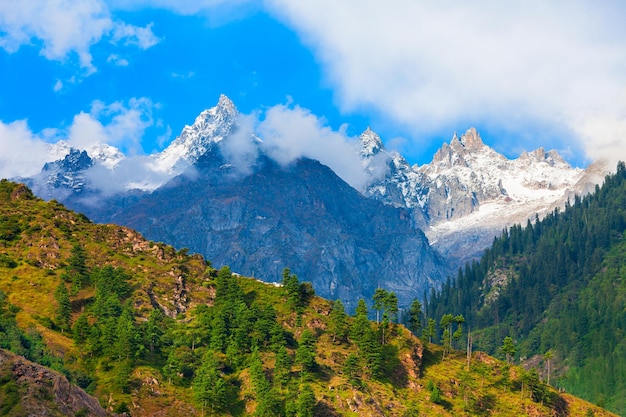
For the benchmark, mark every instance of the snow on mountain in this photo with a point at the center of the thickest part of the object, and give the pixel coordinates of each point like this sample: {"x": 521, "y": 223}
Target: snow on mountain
{"x": 463, "y": 198}
{"x": 58, "y": 150}
{"x": 101, "y": 153}
{"x": 104, "y": 154}
{"x": 209, "y": 128}
{"x": 470, "y": 192}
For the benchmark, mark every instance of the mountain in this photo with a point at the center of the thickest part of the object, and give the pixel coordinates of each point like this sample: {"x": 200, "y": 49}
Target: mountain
{"x": 209, "y": 128}
{"x": 152, "y": 331}
{"x": 263, "y": 217}
{"x": 301, "y": 216}
{"x": 63, "y": 177}
{"x": 461, "y": 201}
{"x": 557, "y": 285}
{"x": 469, "y": 192}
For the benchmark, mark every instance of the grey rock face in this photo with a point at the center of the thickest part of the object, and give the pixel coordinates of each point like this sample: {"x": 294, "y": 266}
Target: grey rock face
{"x": 47, "y": 392}
{"x": 302, "y": 216}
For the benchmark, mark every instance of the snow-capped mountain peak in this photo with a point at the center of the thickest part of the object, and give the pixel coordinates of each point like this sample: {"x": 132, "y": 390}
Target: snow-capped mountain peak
{"x": 209, "y": 128}
{"x": 99, "y": 152}
{"x": 105, "y": 154}
{"x": 370, "y": 143}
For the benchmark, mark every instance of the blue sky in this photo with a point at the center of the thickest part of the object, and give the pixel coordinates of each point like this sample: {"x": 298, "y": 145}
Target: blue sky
{"x": 133, "y": 73}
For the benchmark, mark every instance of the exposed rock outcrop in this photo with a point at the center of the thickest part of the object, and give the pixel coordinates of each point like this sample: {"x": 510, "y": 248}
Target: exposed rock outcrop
{"x": 44, "y": 392}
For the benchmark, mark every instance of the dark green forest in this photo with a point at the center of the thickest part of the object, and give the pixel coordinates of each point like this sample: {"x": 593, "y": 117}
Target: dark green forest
{"x": 557, "y": 285}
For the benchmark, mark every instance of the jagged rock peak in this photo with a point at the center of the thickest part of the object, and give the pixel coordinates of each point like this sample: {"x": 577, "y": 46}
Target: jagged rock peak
{"x": 107, "y": 155}
{"x": 370, "y": 143}
{"x": 552, "y": 157}
{"x": 75, "y": 161}
{"x": 456, "y": 153}
{"x": 209, "y": 128}
{"x": 224, "y": 112}
{"x": 471, "y": 139}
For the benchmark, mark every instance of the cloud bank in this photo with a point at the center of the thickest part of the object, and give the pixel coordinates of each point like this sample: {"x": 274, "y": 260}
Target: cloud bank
{"x": 289, "y": 133}
{"x": 432, "y": 65}
{"x": 24, "y": 152}
{"x": 285, "y": 133}
{"x": 67, "y": 28}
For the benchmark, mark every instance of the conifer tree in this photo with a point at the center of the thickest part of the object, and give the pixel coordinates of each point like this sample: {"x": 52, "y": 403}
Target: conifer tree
{"x": 305, "y": 354}
{"x": 81, "y": 329}
{"x": 338, "y": 322}
{"x": 508, "y": 348}
{"x": 64, "y": 307}
{"x": 379, "y": 297}
{"x": 415, "y": 316}
{"x": 209, "y": 387}
{"x": 306, "y": 401}
{"x": 282, "y": 367}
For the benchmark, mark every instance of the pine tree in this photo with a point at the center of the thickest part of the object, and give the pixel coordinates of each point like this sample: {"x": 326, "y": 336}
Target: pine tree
{"x": 64, "y": 307}
{"x": 282, "y": 367}
{"x": 379, "y": 297}
{"x": 126, "y": 337}
{"x": 306, "y": 402}
{"x": 352, "y": 369}
{"x": 305, "y": 354}
{"x": 291, "y": 286}
{"x": 81, "y": 329}
{"x": 429, "y": 331}
{"x": 154, "y": 329}
{"x": 415, "y": 316}
{"x": 338, "y": 322}
{"x": 508, "y": 348}
{"x": 209, "y": 387}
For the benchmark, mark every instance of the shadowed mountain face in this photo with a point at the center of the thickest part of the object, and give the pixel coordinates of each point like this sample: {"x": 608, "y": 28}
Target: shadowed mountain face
{"x": 301, "y": 216}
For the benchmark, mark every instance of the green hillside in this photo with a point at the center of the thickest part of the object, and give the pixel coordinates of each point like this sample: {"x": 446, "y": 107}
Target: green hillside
{"x": 558, "y": 286}
{"x": 150, "y": 331}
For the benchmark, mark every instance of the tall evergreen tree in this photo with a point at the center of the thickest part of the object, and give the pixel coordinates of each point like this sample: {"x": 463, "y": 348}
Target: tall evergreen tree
{"x": 306, "y": 402}
{"x": 209, "y": 387}
{"x": 305, "y": 354}
{"x": 338, "y": 322}
{"x": 415, "y": 316}
{"x": 64, "y": 307}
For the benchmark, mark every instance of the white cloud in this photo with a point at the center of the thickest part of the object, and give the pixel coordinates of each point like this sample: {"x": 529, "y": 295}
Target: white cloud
{"x": 22, "y": 153}
{"x": 184, "y": 7}
{"x": 134, "y": 35}
{"x": 240, "y": 148}
{"x": 118, "y": 124}
{"x": 117, "y": 60}
{"x": 431, "y": 65}
{"x": 604, "y": 133}
{"x": 66, "y": 28}
{"x": 289, "y": 133}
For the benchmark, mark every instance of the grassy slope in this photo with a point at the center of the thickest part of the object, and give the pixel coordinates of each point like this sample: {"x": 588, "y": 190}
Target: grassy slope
{"x": 48, "y": 232}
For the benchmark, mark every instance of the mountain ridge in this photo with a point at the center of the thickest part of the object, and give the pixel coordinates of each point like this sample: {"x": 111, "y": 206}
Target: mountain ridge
{"x": 461, "y": 200}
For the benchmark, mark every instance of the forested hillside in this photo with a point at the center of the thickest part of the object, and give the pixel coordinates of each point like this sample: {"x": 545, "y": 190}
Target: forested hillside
{"x": 153, "y": 331}
{"x": 557, "y": 287}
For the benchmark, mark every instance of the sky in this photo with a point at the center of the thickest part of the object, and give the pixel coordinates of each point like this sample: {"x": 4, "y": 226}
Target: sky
{"x": 132, "y": 73}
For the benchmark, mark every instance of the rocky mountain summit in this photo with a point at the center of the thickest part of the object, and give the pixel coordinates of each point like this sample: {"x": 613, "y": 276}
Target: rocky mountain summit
{"x": 469, "y": 192}
{"x": 209, "y": 128}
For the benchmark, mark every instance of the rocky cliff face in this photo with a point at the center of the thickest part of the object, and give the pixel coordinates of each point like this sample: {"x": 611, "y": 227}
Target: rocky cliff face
{"x": 39, "y": 391}
{"x": 301, "y": 216}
